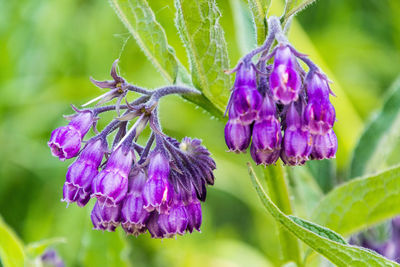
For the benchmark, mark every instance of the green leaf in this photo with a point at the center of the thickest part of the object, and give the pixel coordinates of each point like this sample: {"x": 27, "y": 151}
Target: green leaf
{"x": 139, "y": 19}
{"x": 11, "y": 248}
{"x": 360, "y": 203}
{"x": 324, "y": 173}
{"x": 198, "y": 24}
{"x": 380, "y": 136}
{"x": 319, "y": 230}
{"x": 36, "y": 249}
{"x": 244, "y": 26}
{"x": 259, "y": 9}
{"x": 295, "y": 6}
{"x": 337, "y": 252}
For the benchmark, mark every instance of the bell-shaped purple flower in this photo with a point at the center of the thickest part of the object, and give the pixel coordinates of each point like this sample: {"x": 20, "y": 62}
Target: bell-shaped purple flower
{"x": 319, "y": 116}
{"x": 237, "y": 135}
{"x": 111, "y": 184}
{"x": 153, "y": 226}
{"x": 267, "y": 136}
{"x": 176, "y": 221}
{"x": 158, "y": 191}
{"x": 297, "y": 142}
{"x": 78, "y": 185}
{"x": 105, "y": 217}
{"x": 65, "y": 141}
{"x": 284, "y": 81}
{"x": 133, "y": 215}
{"x": 324, "y": 146}
{"x": 245, "y": 101}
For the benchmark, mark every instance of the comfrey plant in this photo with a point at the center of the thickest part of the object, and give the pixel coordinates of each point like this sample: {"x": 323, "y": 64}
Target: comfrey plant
{"x": 157, "y": 187}
{"x": 270, "y": 98}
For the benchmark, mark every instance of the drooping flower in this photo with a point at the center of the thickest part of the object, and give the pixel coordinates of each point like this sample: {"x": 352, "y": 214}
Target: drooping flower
{"x": 105, "y": 217}
{"x": 284, "y": 81}
{"x": 111, "y": 184}
{"x": 65, "y": 141}
{"x": 158, "y": 191}
{"x": 245, "y": 100}
{"x": 324, "y": 146}
{"x": 133, "y": 215}
{"x": 297, "y": 141}
{"x": 78, "y": 185}
{"x": 267, "y": 136}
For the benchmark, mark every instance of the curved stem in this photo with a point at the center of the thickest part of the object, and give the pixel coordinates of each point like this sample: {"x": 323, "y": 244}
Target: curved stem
{"x": 138, "y": 89}
{"x": 275, "y": 177}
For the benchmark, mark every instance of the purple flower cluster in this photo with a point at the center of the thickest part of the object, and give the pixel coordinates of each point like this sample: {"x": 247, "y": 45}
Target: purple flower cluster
{"x": 157, "y": 187}
{"x": 282, "y": 112}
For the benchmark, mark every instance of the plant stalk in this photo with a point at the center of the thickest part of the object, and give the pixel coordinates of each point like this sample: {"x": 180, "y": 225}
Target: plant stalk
{"x": 275, "y": 177}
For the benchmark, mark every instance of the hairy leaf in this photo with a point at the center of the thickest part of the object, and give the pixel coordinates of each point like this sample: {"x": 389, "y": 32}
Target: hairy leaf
{"x": 139, "y": 19}
{"x": 36, "y": 249}
{"x": 198, "y": 24}
{"x": 360, "y": 203}
{"x": 11, "y": 248}
{"x": 380, "y": 137}
{"x": 337, "y": 252}
{"x": 259, "y": 9}
{"x": 295, "y": 6}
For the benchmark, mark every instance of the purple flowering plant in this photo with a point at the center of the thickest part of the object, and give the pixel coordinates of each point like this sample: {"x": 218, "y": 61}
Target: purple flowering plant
{"x": 279, "y": 110}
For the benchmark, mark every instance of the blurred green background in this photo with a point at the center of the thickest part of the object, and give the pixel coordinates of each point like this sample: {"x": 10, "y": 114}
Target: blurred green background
{"x": 48, "y": 51}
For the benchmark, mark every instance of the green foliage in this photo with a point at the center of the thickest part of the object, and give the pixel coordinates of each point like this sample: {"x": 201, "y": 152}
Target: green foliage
{"x": 259, "y": 9}
{"x": 360, "y": 203}
{"x": 380, "y": 137}
{"x": 139, "y": 19}
{"x": 11, "y": 249}
{"x": 36, "y": 249}
{"x": 200, "y": 30}
{"x": 295, "y": 6}
{"x": 319, "y": 238}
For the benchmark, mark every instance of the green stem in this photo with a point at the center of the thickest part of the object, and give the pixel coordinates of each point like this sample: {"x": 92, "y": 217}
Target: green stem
{"x": 275, "y": 177}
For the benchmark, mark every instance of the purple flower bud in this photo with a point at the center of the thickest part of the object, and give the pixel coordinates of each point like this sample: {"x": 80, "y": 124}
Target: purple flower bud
{"x": 325, "y": 146}
{"x": 267, "y": 136}
{"x": 237, "y": 135}
{"x": 65, "y": 141}
{"x": 317, "y": 87}
{"x": 297, "y": 142}
{"x": 176, "y": 221}
{"x": 246, "y": 103}
{"x": 133, "y": 215}
{"x": 284, "y": 81}
{"x": 153, "y": 226}
{"x": 319, "y": 116}
{"x": 78, "y": 185}
{"x": 111, "y": 184}
{"x": 105, "y": 217}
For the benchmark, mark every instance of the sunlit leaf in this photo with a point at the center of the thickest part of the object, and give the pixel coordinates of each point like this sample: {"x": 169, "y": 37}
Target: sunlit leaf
{"x": 203, "y": 37}
{"x": 360, "y": 203}
{"x": 139, "y": 19}
{"x": 244, "y": 25}
{"x": 295, "y": 6}
{"x": 380, "y": 136}
{"x": 11, "y": 248}
{"x": 259, "y": 9}
{"x": 337, "y": 252}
